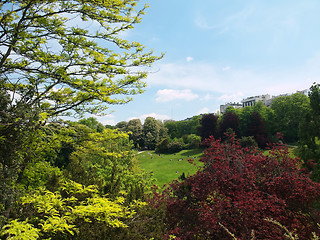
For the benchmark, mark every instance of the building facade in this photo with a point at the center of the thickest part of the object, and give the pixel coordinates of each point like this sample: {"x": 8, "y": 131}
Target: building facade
{"x": 251, "y": 101}
{"x": 224, "y": 107}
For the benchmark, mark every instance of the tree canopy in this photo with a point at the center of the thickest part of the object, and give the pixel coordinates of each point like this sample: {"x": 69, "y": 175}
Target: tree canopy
{"x": 69, "y": 55}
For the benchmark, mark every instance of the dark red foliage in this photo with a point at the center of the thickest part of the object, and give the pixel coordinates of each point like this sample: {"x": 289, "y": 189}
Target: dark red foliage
{"x": 239, "y": 188}
{"x": 208, "y": 126}
{"x": 229, "y": 121}
{"x": 256, "y": 128}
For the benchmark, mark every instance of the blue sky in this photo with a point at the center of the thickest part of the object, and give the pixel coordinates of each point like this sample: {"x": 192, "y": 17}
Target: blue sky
{"x": 222, "y": 51}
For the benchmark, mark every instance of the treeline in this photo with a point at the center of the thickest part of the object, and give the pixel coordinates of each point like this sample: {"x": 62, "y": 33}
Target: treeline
{"x": 252, "y": 125}
{"x": 168, "y": 137}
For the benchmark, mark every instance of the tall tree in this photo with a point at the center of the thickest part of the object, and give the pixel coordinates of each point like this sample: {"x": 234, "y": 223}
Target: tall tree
{"x": 309, "y": 133}
{"x": 289, "y": 111}
{"x": 67, "y": 56}
{"x": 208, "y": 126}
{"x": 134, "y": 126}
{"x": 229, "y": 121}
{"x": 92, "y": 123}
{"x": 256, "y": 128}
{"x": 154, "y": 131}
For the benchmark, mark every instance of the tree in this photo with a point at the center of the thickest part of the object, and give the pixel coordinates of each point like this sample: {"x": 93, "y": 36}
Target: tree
{"x": 92, "y": 123}
{"x": 256, "y": 128}
{"x": 309, "y": 133}
{"x": 266, "y": 113}
{"x": 154, "y": 132}
{"x": 176, "y": 129}
{"x": 18, "y": 132}
{"x": 134, "y": 126}
{"x": 229, "y": 121}
{"x": 239, "y": 191}
{"x": 208, "y": 126}
{"x": 122, "y": 126}
{"x": 289, "y": 111}
{"x": 64, "y": 56}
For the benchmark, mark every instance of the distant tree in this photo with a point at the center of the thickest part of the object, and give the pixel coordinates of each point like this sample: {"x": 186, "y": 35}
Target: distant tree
{"x": 92, "y": 123}
{"x": 229, "y": 121}
{"x": 176, "y": 129}
{"x": 309, "y": 133}
{"x": 193, "y": 141}
{"x": 173, "y": 129}
{"x": 266, "y": 113}
{"x": 134, "y": 126}
{"x": 208, "y": 126}
{"x": 289, "y": 111}
{"x": 154, "y": 131}
{"x": 163, "y": 146}
{"x": 256, "y": 128}
{"x": 122, "y": 126}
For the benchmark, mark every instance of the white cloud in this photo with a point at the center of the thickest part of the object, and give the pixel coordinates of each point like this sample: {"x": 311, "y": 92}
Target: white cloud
{"x": 235, "y": 97}
{"x": 107, "y": 119}
{"x": 167, "y": 95}
{"x": 232, "y": 84}
{"x": 154, "y": 115}
{"x": 189, "y": 59}
{"x": 203, "y": 110}
{"x": 207, "y": 97}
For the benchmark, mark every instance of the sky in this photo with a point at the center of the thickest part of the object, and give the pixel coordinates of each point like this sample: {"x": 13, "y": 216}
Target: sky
{"x": 220, "y": 51}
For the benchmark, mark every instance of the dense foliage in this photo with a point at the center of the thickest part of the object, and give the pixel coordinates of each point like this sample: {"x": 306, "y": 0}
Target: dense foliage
{"x": 69, "y": 55}
{"x": 66, "y": 180}
{"x": 236, "y": 192}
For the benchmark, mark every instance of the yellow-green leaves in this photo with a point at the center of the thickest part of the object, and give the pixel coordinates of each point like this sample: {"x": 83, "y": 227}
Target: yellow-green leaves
{"x": 16, "y": 230}
{"x": 74, "y": 46}
{"x": 58, "y": 214}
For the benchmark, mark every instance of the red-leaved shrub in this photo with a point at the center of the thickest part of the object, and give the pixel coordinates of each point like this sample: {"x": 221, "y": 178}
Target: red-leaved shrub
{"x": 236, "y": 190}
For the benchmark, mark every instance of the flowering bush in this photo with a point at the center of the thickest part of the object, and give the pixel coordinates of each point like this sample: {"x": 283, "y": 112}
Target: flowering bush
{"x": 237, "y": 190}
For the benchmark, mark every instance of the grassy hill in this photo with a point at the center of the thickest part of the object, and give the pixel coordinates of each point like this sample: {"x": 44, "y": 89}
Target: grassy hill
{"x": 168, "y": 167}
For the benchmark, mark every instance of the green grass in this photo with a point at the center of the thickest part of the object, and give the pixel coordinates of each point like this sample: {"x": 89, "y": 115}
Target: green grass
{"x": 292, "y": 152}
{"x": 168, "y": 167}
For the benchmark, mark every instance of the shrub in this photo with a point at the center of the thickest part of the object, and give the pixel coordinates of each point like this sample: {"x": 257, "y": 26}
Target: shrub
{"x": 175, "y": 147}
{"x": 237, "y": 190}
{"x": 247, "y": 142}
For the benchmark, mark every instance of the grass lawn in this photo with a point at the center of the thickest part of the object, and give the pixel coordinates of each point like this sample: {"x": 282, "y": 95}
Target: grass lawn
{"x": 168, "y": 167}
{"x": 292, "y": 152}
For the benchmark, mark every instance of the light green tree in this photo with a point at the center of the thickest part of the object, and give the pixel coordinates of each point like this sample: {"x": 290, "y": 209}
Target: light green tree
{"x": 154, "y": 131}
{"x": 64, "y": 56}
{"x": 136, "y": 132}
{"x": 92, "y": 123}
{"x": 289, "y": 112}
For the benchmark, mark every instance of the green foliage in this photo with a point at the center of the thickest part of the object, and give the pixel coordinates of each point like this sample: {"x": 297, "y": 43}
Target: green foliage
{"x": 55, "y": 61}
{"x": 19, "y": 125}
{"x": 248, "y": 142}
{"x": 154, "y": 131}
{"x": 92, "y": 123}
{"x": 64, "y": 212}
{"x": 193, "y": 141}
{"x": 309, "y": 133}
{"x": 16, "y": 230}
{"x": 177, "y": 129}
{"x": 289, "y": 112}
{"x": 135, "y": 129}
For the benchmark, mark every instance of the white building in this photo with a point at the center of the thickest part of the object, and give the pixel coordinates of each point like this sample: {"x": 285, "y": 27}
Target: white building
{"x": 251, "y": 101}
{"x": 224, "y": 107}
